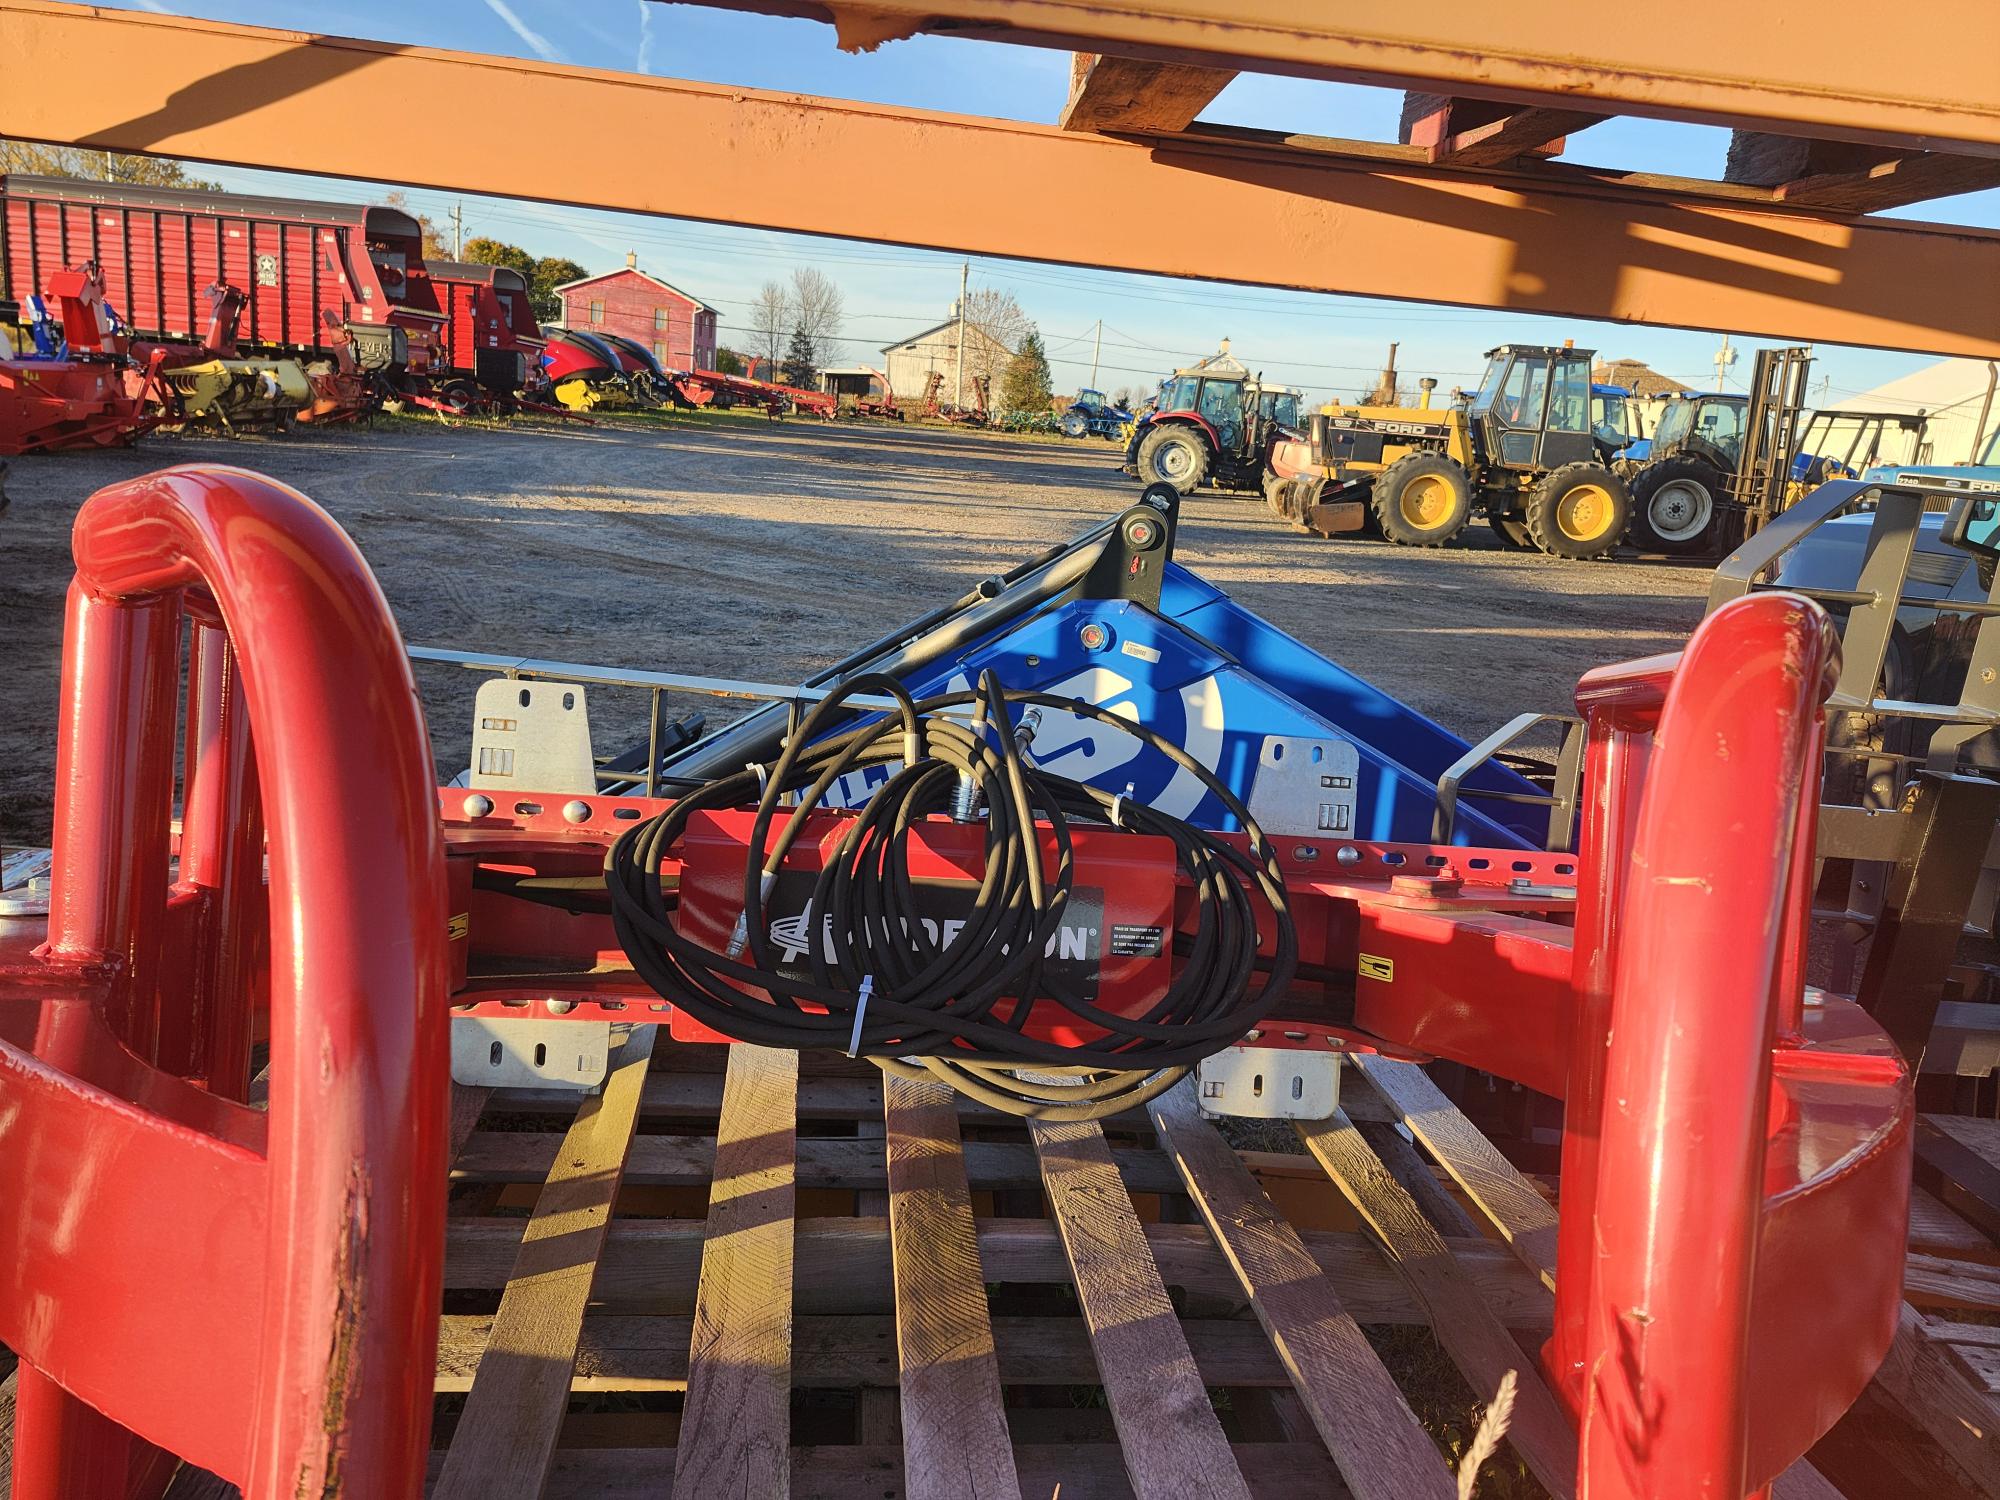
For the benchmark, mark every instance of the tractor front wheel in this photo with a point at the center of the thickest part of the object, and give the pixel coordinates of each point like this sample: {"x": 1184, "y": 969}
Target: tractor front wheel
{"x": 1422, "y": 500}
{"x": 1580, "y": 510}
{"x": 1177, "y": 456}
{"x": 1075, "y": 424}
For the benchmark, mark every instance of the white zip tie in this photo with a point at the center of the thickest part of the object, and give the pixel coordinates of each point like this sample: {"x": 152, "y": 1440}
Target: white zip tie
{"x": 860, "y": 1013}
{"x": 763, "y": 776}
{"x": 1118, "y": 806}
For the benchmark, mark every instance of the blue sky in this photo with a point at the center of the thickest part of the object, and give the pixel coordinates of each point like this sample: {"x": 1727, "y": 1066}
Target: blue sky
{"x": 1324, "y": 344}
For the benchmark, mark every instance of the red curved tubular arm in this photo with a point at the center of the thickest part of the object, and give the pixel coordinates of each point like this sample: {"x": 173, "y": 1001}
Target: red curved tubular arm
{"x": 298, "y": 1283}
{"x": 1708, "y": 898}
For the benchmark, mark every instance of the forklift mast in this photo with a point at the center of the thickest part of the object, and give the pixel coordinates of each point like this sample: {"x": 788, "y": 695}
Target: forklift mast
{"x": 1771, "y": 431}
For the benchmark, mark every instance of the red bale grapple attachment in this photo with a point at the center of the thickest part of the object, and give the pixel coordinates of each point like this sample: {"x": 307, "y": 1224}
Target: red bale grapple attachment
{"x": 1736, "y": 1167}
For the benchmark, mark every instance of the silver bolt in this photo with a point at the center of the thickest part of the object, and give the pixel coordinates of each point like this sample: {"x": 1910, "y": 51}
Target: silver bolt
{"x": 477, "y": 805}
{"x": 1347, "y": 854}
{"x": 576, "y": 810}
{"x": 561, "y": 1007}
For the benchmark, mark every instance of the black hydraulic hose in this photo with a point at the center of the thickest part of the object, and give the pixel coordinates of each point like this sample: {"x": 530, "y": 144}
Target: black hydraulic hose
{"x": 958, "y": 1011}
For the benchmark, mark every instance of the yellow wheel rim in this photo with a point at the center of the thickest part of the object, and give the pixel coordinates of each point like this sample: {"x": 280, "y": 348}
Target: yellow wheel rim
{"x": 1426, "y": 502}
{"x": 1584, "y": 513}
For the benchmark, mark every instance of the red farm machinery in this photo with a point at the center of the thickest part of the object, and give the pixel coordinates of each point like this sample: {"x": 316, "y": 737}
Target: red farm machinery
{"x": 86, "y": 390}
{"x": 268, "y": 307}
{"x": 1213, "y": 425}
{"x": 492, "y": 345}
{"x": 961, "y": 901}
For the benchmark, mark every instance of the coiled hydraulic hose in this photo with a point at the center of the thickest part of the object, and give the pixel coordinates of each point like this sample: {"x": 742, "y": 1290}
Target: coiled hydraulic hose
{"x": 916, "y": 1005}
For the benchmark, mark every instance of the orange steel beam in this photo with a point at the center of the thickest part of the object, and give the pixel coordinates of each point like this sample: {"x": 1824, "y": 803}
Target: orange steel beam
{"x": 1842, "y": 69}
{"x": 1248, "y": 207}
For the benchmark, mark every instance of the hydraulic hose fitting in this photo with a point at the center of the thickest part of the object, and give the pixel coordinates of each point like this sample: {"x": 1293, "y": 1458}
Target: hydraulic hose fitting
{"x": 965, "y": 800}
{"x": 739, "y": 935}
{"x": 1024, "y": 732}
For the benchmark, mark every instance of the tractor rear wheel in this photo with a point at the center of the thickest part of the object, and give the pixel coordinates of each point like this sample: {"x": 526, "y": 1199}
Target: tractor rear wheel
{"x": 1674, "y": 507}
{"x": 1175, "y": 455}
{"x": 1512, "y": 531}
{"x": 1579, "y": 510}
{"x": 1075, "y": 424}
{"x": 1422, "y": 500}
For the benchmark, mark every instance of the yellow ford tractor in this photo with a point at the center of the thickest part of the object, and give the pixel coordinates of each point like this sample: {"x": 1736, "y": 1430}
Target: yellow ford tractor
{"x": 1525, "y": 449}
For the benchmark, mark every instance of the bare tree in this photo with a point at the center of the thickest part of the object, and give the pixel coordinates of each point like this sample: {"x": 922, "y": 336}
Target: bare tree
{"x": 817, "y": 307}
{"x": 98, "y": 166}
{"x": 770, "y": 325}
{"x": 996, "y": 314}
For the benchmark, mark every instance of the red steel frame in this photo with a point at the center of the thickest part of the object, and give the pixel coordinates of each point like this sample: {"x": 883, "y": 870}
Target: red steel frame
{"x": 1724, "y": 1130}
{"x": 158, "y": 1232}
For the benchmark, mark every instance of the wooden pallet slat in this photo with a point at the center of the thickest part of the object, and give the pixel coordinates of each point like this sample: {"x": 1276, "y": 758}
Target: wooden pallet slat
{"x": 1925, "y": 1378}
{"x": 1474, "y": 1339}
{"x": 506, "y": 1438}
{"x": 1172, "y": 1442}
{"x": 1517, "y": 1211}
{"x": 956, "y": 1444}
{"x": 736, "y": 1424}
{"x": 1522, "y": 1215}
{"x": 1368, "y": 1427}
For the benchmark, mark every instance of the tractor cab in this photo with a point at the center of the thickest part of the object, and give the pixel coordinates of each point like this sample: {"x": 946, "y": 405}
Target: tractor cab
{"x": 1706, "y": 425}
{"x": 1280, "y": 406}
{"x": 1614, "y": 422}
{"x": 1532, "y": 410}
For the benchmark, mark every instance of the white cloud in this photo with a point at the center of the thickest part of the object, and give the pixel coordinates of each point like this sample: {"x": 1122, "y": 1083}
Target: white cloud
{"x": 644, "y": 63}
{"x": 542, "y": 46}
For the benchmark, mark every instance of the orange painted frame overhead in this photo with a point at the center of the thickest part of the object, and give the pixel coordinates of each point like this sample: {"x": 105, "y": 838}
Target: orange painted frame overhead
{"x": 1249, "y": 207}
{"x": 1836, "y": 69}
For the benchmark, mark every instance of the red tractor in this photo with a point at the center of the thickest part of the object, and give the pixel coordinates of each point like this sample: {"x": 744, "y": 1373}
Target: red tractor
{"x": 1211, "y": 427}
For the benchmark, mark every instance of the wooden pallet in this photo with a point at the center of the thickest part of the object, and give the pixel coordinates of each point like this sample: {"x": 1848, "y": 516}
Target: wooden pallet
{"x": 857, "y": 1290}
{"x": 736, "y": 1272}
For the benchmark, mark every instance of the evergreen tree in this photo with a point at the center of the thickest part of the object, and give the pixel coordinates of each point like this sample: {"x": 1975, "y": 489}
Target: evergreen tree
{"x": 1027, "y": 385}
{"x": 728, "y": 362}
{"x": 801, "y": 363}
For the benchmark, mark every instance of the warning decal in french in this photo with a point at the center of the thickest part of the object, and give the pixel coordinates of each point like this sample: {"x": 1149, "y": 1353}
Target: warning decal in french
{"x": 1137, "y": 942}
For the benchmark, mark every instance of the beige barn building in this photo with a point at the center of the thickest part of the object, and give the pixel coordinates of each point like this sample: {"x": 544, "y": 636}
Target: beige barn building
{"x": 910, "y": 363}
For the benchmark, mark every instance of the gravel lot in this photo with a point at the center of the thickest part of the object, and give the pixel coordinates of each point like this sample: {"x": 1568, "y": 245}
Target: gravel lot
{"x": 735, "y": 547}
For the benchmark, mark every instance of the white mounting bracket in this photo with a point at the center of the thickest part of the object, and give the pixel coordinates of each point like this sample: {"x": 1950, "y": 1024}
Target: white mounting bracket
{"x": 1305, "y": 787}
{"x": 532, "y": 736}
{"x": 1268, "y": 1083}
{"x": 509, "y": 1053}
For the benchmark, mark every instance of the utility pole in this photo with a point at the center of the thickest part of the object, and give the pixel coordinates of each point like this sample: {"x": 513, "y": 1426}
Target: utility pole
{"x": 958, "y": 380}
{"x": 1095, "y": 349}
{"x": 458, "y": 231}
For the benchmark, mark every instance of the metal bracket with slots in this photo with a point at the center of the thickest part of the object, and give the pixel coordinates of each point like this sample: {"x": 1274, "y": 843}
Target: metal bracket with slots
{"x": 501, "y": 1052}
{"x": 1268, "y": 1083}
{"x": 532, "y": 736}
{"x": 1305, "y": 787}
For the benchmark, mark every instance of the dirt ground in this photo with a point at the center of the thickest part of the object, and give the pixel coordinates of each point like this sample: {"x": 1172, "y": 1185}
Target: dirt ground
{"x": 739, "y": 548}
